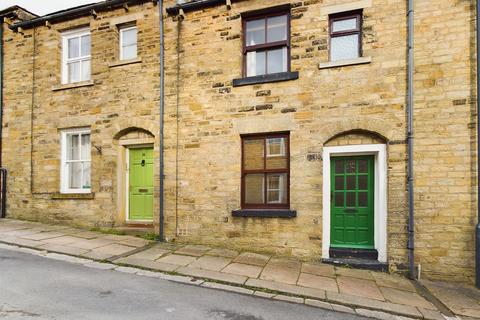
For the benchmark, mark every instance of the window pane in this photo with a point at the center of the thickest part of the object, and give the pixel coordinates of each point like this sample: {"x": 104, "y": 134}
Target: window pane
{"x": 73, "y": 48}
{"x": 253, "y": 154}
{"x": 363, "y": 199}
{"x": 85, "y": 70}
{"x": 345, "y": 47}
{"x": 85, "y": 147}
{"x": 129, "y": 52}
{"x": 72, "y": 147}
{"x": 277, "y": 188}
{"x": 255, "y": 63}
{"x": 339, "y": 183}
{"x": 351, "y": 182}
{"x": 350, "y": 166}
{"x": 277, "y": 60}
{"x": 74, "y": 175}
{"x": 339, "y": 166}
{"x": 363, "y": 182}
{"x": 344, "y": 25}
{"x": 86, "y": 175}
{"x": 129, "y": 37}
{"x": 276, "y": 153}
{"x": 350, "y": 199}
{"x": 73, "y": 72}
{"x": 362, "y": 166}
{"x": 277, "y": 29}
{"x": 254, "y": 187}
{"x": 86, "y": 45}
{"x": 339, "y": 198}
{"x": 255, "y": 32}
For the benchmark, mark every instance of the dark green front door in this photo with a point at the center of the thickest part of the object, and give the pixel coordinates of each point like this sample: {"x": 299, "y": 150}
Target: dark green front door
{"x": 352, "y": 202}
{"x": 140, "y": 178}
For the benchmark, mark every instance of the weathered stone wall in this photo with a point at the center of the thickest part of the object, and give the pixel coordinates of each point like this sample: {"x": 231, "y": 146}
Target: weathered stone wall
{"x": 205, "y": 116}
{"x": 122, "y": 97}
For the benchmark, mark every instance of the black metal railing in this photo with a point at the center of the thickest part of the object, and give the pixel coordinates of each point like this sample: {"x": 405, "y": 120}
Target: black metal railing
{"x": 3, "y": 193}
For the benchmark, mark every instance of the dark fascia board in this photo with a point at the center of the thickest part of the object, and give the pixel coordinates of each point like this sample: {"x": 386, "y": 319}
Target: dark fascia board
{"x": 193, "y": 5}
{"x": 75, "y": 12}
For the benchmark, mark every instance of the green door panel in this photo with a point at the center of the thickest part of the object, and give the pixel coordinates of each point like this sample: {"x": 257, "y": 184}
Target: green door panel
{"x": 140, "y": 180}
{"x": 352, "y": 202}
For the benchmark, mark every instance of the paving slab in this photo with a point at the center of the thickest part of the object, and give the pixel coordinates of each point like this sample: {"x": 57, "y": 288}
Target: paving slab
{"x": 285, "y": 263}
{"x": 353, "y": 273}
{"x": 462, "y": 299}
{"x": 288, "y": 288}
{"x": 358, "y": 301}
{"x": 393, "y": 281}
{"x": 193, "y": 250}
{"x": 220, "y": 252}
{"x": 210, "y": 263}
{"x": 431, "y": 314}
{"x": 243, "y": 270}
{"x": 359, "y": 287}
{"x": 26, "y": 242}
{"x": 150, "y": 254}
{"x": 114, "y": 249}
{"x": 22, "y": 232}
{"x": 63, "y": 249}
{"x": 43, "y": 235}
{"x": 215, "y": 275}
{"x": 91, "y": 244}
{"x": 134, "y": 242}
{"x": 406, "y": 297}
{"x": 278, "y": 273}
{"x": 253, "y": 259}
{"x": 149, "y": 264}
{"x": 318, "y": 282}
{"x": 61, "y": 240}
{"x": 98, "y": 255}
{"x": 319, "y": 269}
{"x": 177, "y": 259}
{"x": 86, "y": 235}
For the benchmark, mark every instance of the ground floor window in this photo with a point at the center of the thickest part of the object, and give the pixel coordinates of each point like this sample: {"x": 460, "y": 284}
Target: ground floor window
{"x": 76, "y": 161}
{"x": 265, "y": 171}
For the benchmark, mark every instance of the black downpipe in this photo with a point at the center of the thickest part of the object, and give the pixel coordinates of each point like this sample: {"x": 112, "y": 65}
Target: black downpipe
{"x": 1, "y": 88}
{"x": 477, "y": 230}
{"x": 161, "y": 110}
{"x": 410, "y": 102}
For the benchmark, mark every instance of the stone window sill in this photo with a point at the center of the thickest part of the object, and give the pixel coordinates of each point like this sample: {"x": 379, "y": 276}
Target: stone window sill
{"x": 265, "y": 213}
{"x": 274, "y": 77}
{"x": 73, "y": 196}
{"x": 343, "y": 63}
{"x": 124, "y": 62}
{"x": 73, "y": 85}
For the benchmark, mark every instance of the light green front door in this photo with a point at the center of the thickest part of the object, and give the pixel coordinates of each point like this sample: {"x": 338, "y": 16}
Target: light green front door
{"x": 140, "y": 180}
{"x": 352, "y": 202}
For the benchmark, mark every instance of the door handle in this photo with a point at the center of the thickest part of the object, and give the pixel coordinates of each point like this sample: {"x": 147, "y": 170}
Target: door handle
{"x": 143, "y": 163}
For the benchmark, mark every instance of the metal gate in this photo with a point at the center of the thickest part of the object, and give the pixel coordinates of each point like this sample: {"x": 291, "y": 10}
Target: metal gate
{"x": 3, "y": 192}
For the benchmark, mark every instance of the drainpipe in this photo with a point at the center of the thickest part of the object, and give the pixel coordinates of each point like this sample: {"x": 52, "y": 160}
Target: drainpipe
{"x": 410, "y": 101}
{"x": 161, "y": 110}
{"x": 1, "y": 88}
{"x": 477, "y": 263}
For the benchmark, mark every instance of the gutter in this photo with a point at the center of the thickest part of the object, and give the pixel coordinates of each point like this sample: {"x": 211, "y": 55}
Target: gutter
{"x": 410, "y": 106}
{"x": 161, "y": 111}
{"x": 76, "y": 12}
{"x": 477, "y": 230}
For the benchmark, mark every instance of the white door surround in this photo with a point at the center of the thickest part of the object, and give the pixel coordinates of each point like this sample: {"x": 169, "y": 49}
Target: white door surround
{"x": 380, "y": 193}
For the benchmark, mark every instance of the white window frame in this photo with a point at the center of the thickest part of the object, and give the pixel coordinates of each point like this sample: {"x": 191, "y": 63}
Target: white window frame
{"x": 282, "y": 148}
{"x": 77, "y": 33}
{"x": 280, "y": 190}
{"x": 121, "y": 31}
{"x": 64, "y": 176}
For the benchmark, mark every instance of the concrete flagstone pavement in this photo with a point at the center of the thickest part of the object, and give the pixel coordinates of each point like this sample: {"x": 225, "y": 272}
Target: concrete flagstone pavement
{"x": 367, "y": 293}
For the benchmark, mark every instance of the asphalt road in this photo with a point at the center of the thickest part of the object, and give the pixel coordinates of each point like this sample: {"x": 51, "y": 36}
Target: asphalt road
{"x": 35, "y": 287}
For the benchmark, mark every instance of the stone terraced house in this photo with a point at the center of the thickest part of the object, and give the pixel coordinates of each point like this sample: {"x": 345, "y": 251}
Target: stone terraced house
{"x": 285, "y": 125}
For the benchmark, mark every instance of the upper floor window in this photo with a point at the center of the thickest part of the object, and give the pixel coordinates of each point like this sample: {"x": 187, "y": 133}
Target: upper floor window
{"x": 76, "y": 55}
{"x": 346, "y": 36}
{"x": 266, "y": 43}
{"x": 128, "y": 42}
{"x": 265, "y": 171}
{"x": 75, "y": 170}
